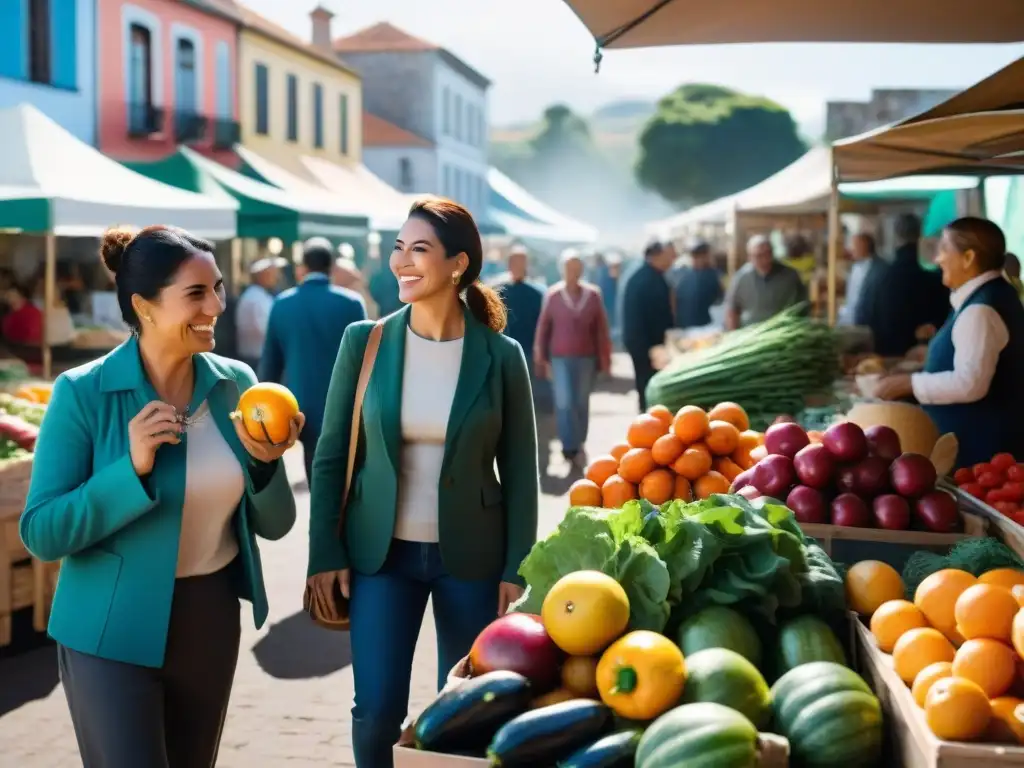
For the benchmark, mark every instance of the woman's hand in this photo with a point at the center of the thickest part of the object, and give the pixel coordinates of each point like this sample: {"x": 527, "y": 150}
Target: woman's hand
{"x": 894, "y": 387}
{"x": 266, "y": 452}
{"x": 508, "y": 593}
{"x": 323, "y": 583}
{"x": 157, "y": 423}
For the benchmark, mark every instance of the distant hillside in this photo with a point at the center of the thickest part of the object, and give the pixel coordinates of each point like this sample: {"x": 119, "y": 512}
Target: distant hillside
{"x": 613, "y": 126}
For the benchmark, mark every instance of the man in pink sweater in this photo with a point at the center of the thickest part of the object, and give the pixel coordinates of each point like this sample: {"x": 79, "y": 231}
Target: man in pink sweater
{"x": 572, "y": 345}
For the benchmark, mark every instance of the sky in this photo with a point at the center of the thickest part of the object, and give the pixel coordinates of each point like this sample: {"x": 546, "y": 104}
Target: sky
{"x": 537, "y": 53}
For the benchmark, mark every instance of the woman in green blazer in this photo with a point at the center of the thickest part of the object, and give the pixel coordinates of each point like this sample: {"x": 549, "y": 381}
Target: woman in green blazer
{"x": 151, "y": 496}
{"x": 449, "y": 399}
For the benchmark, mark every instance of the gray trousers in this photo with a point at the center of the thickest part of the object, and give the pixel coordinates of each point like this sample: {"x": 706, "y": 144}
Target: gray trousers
{"x": 128, "y": 716}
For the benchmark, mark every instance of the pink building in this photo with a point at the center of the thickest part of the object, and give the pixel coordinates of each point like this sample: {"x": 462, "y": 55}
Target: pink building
{"x": 166, "y": 76}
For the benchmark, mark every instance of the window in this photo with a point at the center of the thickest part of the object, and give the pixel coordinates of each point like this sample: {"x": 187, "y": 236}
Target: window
{"x": 458, "y": 117}
{"x": 405, "y": 174}
{"x": 318, "y": 116}
{"x": 185, "y": 76}
{"x": 224, "y": 89}
{"x": 293, "y": 108}
{"x": 140, "y": 79}
{"x": 481, "y": 129}
{"x": 39, "y": 56}
{"x": 343, "y": 120}
{"x": 447, "y": 112}
{"x": 262, "y": 100}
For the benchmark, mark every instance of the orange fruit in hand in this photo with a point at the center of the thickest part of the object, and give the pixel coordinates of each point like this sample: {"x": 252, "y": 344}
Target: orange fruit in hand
{"x": 667, "y": 449}
{"x": 600, "y": 469}
{"x": 683, "y": 490}
{"x": 615, "y": 492}
{"x": 727, "y": 467}
{"x": 989, "y": 663}
{"x": 712, "y": 482}
{"x": 695, "y": 462}
{"x": 619, "y": 450}
{"x": 1005, "y": 727}
{"x": 722, "y": 438}
{"x": 936, "y": 596}
{"x": 732, "y": 413}
{"x": 658, "y": 486}
{"x": 1003, "y": 577}
{"x": 891, "y": 619}
{"x": 957, "y": 709}
{"x": 690, "y": 424}
{"x": 645, "y": 430}
{"x": 662, "y": 413}
{"x": 267, "y": 411}
{"x": 870, "y": 583}
{"x": 927, "y": 677}
{"x": 637, "y": 464}
{"x": 917, "y": 648}
{"x": 985, "y": 610}
{"x": 585, "y": 493}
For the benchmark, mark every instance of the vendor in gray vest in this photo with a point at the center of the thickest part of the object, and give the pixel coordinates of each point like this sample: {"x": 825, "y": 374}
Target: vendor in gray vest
{"x": 762, "y": 287}
{"x": 974, "y": 373}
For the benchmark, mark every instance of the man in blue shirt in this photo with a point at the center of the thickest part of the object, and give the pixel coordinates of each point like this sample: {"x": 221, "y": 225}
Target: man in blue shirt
{"x": 697, "y": 288}
{"x": 304, "y": 336}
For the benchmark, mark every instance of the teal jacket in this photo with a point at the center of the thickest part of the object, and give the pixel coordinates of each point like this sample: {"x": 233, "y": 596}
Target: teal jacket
{"x": 486, "y": 526}
{"x": 116, "y": 536}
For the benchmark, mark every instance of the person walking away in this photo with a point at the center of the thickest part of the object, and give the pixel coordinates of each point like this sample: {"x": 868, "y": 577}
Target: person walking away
{"x": 573, "y": 345}
{"x": 252, "y": 313}
{"x": 152, "y": 497}
{"x": 865, "y": 272}
{"x": 523, "y": 301}
{"x": 762, "y": 287}
{"x": 698, "y": 289}
{"x": 304, "y": 334}
{"x": 647, "y": 312}
{"x": 427, "y": 518}
{"x": 907, "y": 304}
{"x": 345, "y": 274}
{"x": 974, "y": 369}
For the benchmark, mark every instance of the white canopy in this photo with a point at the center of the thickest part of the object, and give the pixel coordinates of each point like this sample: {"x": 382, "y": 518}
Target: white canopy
{"x": 61, "y": 185}
{"x": 357, "y": 187}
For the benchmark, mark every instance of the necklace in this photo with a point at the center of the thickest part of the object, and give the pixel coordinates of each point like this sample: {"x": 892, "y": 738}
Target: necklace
{"x": 188, "y": 420}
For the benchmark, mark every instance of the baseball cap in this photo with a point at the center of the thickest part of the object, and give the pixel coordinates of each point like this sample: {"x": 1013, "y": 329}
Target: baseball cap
{"x": 266, "y": 263}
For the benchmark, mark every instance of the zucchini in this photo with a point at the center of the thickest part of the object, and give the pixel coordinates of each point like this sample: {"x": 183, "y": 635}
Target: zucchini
{"x": 614, "y": 751}
{"x": 544, "y": 736}
{"x": 466, "y": 717}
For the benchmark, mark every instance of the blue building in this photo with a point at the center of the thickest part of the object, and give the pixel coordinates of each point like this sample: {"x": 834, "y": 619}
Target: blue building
{"x": 48, "y": 59}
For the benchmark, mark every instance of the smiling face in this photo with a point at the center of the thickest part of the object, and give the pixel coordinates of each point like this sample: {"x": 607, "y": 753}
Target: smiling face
{"x": 421, "y": 265}
{"x": 183, "y": 316}
{"x": 957, "y": 265}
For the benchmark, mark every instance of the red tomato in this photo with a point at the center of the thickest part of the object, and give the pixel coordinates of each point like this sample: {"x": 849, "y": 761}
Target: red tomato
{"x": 963, "y": 475}
{"x": 1017, "y": 516}
{"x": 990, "y": 480}
{"x": 1007, "y": 508}
{"x": 1015, "y": 473}
{"x": 1014, "y": 492}
{"x": 995, "y": 495}
{"x": 1003, "y": 461}
{"x": 981, "y": 469}
{"x": 973, "y": 489}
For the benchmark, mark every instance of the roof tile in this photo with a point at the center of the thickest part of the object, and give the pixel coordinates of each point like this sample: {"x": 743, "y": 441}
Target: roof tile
{"x": 378, "y": 132}
{"x": 274, "y": 31}
{"x": 382, "y": 37}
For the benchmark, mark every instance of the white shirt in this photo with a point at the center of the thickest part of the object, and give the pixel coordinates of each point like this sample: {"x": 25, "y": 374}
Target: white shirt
{"x": 429, "y": 379}
{"x": 252, "y": 314}
{"x": 854, "y": 287}
{"x": 979, "y": 337}
{"x": 214, "y": 484}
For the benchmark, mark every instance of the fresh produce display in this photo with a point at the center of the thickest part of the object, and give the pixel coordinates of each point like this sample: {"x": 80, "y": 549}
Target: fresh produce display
{"x": 854, "y": 477}
{"x": 689, "y": 455}
{"x": 805, "y": 640}
{"x": 517, "y": 642}
{"x": 724, "y": 677}
{"x": 266, "y": 410}
{"x": 959, "y": 646}
{"x": 616, "y": 750}
{"x": 19, "y": 424}
{"x": 641, "y": 675}
{"x": 549, "y": 734}
{"x": 998, "y": 482}
{"x": 768, "y": 368}
{"x": 707, "y": 733}
{"x": 720, "y": 627}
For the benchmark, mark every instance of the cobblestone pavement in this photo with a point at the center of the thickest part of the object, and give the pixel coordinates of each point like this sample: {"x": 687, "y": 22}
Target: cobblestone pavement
{"x": 293, "y": 688}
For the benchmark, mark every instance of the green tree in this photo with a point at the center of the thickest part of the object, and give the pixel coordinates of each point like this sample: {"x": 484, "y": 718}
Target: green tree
{"x": 706, "y": 141}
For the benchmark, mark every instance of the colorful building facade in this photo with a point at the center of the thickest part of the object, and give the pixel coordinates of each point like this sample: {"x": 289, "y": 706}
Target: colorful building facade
{"x": 166, "y": 76}
{"x": 47, "y": 58}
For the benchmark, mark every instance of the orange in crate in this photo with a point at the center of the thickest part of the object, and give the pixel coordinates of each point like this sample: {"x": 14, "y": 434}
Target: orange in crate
{"x": 585, "y": 493}
{"x": 722, "y": 438}
{"x": 600, "y": 469}
{"x": 690, "y": 424}
{"x": 928, "y": 677}
{"x": 712, "y": 482}
{"x": 986, "y": 610}
{"x": 637, "y": 464}
{"x": 695, "y": 462}
{"x": 619, "y": 450}
{"x": 732, "y": 413}
{"x": 667, "y": 449}
{"x": 989, "y": 663}
{"x": 1005, "y": 727}
{"x": 683, "y": 490}
{"x": 662, "y": 413}
{"x": 616, "y": 491}
{"x": 645, "y": 430}
{"x": 957, "y": 710}
{"x": 658, "y": 486}
{"x": 936, "y": 596}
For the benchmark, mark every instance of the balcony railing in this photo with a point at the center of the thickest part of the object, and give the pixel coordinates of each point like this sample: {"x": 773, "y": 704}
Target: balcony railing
{"x": 189, "y": 127}
{"x": 144, "y": 120}
{"x": 226, "y": 133}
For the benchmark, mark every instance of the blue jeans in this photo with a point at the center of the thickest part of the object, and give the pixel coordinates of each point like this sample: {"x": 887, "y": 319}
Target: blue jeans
{"x": 387, "y": 610}
{"x": 573, "y": 379}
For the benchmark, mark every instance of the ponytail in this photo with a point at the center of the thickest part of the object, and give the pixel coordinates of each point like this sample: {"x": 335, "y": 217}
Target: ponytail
{"x": 486, "y": 306}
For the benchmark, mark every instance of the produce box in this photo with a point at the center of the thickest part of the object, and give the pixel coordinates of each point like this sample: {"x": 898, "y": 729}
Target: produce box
{"x": 1009, "y": 531}
{"x": 911, "y": 742}
{"x": 774, "y": 750}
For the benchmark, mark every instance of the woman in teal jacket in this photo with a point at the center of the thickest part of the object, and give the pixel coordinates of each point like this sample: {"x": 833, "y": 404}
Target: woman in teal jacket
{"x": 151, "y": 496}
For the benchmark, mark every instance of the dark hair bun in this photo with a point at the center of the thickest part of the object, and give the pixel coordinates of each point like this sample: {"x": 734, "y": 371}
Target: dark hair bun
{"x": 113, "y": 245}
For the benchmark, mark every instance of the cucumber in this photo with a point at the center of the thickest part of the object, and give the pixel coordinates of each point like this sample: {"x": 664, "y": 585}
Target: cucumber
{"x": 544, "y": 736}
{"x": 465, "y": 718}
{"x": 614, "y": 751}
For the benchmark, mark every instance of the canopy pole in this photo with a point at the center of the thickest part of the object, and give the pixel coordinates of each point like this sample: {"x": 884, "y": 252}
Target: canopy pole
{"x": 49, "y": 296}
{"x": 834, "y": 236}
{"x": 236, "y": 265}
{"x": 734, "y": 249}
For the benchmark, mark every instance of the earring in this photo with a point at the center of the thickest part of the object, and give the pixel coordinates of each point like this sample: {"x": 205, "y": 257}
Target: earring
{"x": 455, "y": 278}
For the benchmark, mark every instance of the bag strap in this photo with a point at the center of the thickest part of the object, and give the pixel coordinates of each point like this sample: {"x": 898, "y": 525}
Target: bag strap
{"x": 369, "y": 356}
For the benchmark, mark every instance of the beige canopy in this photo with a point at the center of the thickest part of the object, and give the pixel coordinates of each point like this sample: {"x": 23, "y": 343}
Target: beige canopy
{"x": 646, "y": 23}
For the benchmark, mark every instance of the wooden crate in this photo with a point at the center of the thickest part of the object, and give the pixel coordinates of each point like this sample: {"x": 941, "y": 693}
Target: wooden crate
{"x": 1003, "y": 528}
{"x": 912, "y": 744}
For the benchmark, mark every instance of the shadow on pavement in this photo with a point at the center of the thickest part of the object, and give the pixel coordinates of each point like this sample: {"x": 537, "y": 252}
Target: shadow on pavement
{"x": 27, "y": 677}
{"x": 615, "y": 385}
{"x": 297, "y": 649}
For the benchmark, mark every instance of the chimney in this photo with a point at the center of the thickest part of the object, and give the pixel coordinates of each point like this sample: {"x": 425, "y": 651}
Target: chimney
{"x": 321, "y": 18}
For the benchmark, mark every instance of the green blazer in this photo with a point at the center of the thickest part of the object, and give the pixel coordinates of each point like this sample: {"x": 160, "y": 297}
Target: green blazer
{"x": 116, "y": 535}
{"x": 486, "y": 527}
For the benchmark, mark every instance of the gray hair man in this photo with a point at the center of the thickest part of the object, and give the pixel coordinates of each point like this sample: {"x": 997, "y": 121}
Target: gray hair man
{"x": 762, "y": 287}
